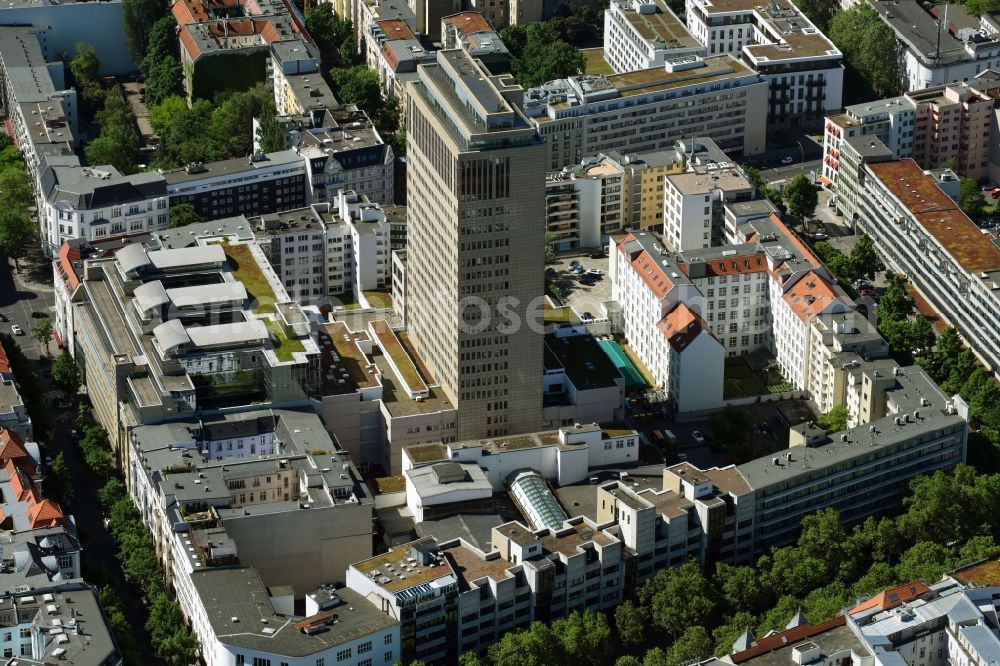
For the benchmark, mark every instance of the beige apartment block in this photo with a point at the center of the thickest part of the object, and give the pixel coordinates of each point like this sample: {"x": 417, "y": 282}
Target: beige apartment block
{"x": 476, "y": 239}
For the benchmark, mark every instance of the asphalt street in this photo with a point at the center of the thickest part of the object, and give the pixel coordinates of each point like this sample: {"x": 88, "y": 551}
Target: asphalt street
{"x": 21, "y": 293}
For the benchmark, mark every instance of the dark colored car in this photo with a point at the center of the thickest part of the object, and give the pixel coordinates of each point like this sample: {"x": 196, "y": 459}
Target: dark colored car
{"x": 39, "y": 315}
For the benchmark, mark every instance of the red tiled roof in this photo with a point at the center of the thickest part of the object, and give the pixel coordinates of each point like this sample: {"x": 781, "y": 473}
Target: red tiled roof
{"x": 395, "y": 29}
{"x": 785, "y": 638}
{"x": 893, "y": 597}
{"x": 11, "y": 447}
{"x": 4, "y": 363}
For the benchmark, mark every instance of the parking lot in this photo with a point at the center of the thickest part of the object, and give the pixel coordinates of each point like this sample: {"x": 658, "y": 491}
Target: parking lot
{"x": 581, "y": 297}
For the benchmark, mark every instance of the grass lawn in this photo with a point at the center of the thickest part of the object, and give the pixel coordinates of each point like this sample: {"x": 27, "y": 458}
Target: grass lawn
{"x": 246, "y": 270}
{"x": 284, "y": 347}
{"x": 595, "y": 62}
{"x": 394, "y": 349}
{"x": 740, "y": 380}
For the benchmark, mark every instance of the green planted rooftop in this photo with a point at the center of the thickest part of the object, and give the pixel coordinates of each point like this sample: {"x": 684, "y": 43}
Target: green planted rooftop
{"x": 247, "y": 271}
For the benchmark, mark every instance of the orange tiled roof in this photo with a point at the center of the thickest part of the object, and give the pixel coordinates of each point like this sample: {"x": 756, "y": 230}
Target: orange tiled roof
{"x": 67, "y": 255}
{"x": 681, "y": 326}
{"x": 4, "y": 363}
{"x": 732, "y": 265}
{"x": 11, "y": 447}
{"x": 893, "y": 597}
{"x": 810, "y": 296}
{"x": 395, "y": 29}
{"x": 45, "y": 513}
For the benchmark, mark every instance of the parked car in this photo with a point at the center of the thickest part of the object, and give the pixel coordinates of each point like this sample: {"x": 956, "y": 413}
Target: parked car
{"x": 868, "y": 293}
{"x": 595, "y": 271}
{"x": 37, "y": 314}
{"x": 920, "y": 351}
{"x": 3, "y": 318}
{"x": 578, "y": 269}
{"x": 16, "y": 330}
{"x": 597, "y": 254}
{"x": 787, "y": 159}
{"x": 698, "y": 437}
{"x": 819, "y": 235}
{"x": 574, "y": 263}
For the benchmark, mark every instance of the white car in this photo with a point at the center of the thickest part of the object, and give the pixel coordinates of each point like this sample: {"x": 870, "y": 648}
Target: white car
{"x": 16, "y": 330}
{"x": 595, "y": 271}
{"x": 787, "y": 159}
{"x": 698, "y": 437}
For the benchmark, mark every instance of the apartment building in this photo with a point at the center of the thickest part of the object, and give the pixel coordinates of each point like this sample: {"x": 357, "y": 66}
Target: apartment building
{"x": 650, "y": 110}
{"x": 396, "y": 51}
{"x": 934, "y": 126}
{"x": 646, "y": 34}
{"x": 803, "y": 69}
{"x": 328, "y": 251}
{"x": 229, "y": 47}
{"x": 708, "y": 303}
{"x": 693, "y": 204}
{"x": 255, "y": 514}
{"x": 98, "y": 203}
{"x": 299, "y": 87}
{"x": 263, "y": 183}
{"x": 187, "y": 324}
{"x": 476, "y": 33}
{"x": 272, "y": 486}
{"x": 936, "y": 52}
{"x": 586, "y": 204}
{"x": 491, "y": 374}
{"x": 61, "y": 623}
{"x": 344, "y": 151}
{"x": 452, "y": 598}
{"x": 920, "y": 232}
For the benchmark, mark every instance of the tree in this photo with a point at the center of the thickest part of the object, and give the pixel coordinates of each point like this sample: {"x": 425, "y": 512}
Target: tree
{"x": 692, "y": 644}
{"x": 922, "y": 333}
{"x": 361, "y": 86}
{"x": 834, "y": 420}
{"x": 870, "y": 50}
{"x": 66, "y": 373}
{"x": 678, "y": 597}
{"x": 535, "y": 646}
{"x": 970, "y": 198}
{"x": 85, "y": 68}
{"x": 232, "y": 120}
{"x": 584, "y": 638}
{"x": 729, "y": 632}
{"x": 739, "y": 587}
{"x": 944, "y": 508}
{"x": 630, "y": 621}
{"x": 864, "y": 260}
{"x": 269, "y": 133}
{"x": 17, "y": 232}
{"x": 628, "y": 660}
{"x": 470, "y": 659}
{"x": 732, "y": 426}
{"x": 334, "y": 37}
{"x": 880, "y": 576}
{"x": 820, "y": 12}
{"x": 165, "y": 79}
{"x": 896, "y": 303}
{"x": 138, "y": 17}
{"x": 925, "y": 561}
{"x": 15, "y": 188}
{"x": 42, "y": 333}
{"x": 946, "y": 351}
{"x": 578, "y": 25}
{"x": 118, "y": 142}
{"x": 801, "y": 197}
{"x": 180, "y": 649}
{"x": 55, "y": 483}
{"x": 791, "y": 573}
{"x": 539, "y": 54}
{"x": 111, "y": 492}
{"x": 183, "y": 214}
{"x": 162, "y": 45}
{"x": 655, "y": 657}
{"x": 825, "y": 603}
